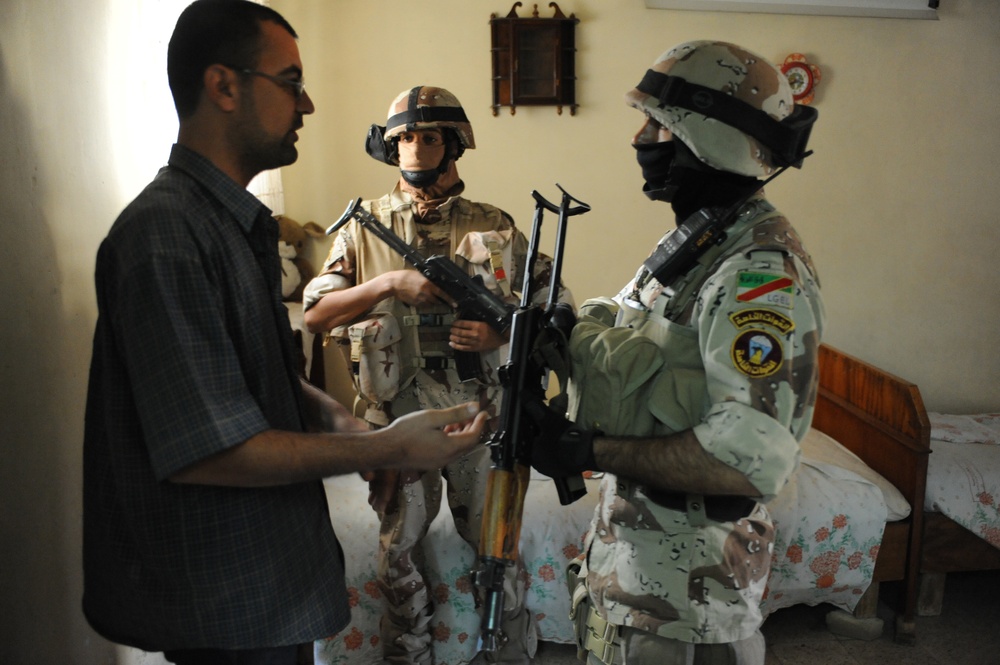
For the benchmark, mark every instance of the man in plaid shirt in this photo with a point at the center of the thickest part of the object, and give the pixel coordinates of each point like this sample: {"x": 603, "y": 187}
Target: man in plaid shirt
{"x": 206, "y": 528}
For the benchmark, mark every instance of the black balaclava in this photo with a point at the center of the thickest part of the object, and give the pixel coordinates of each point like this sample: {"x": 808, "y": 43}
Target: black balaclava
{"x": 672, "y": 173}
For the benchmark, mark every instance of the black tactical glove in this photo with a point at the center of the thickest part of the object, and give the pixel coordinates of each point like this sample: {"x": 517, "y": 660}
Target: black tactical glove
{"x": 561, "y": 317}
{"x": 559, "y": 447}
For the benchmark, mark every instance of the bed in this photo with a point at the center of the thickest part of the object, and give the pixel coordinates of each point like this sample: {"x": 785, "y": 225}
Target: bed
{"x": 962, "y": 502}
{"x": 835, "y": 541}
{"x": 881, "y": 418}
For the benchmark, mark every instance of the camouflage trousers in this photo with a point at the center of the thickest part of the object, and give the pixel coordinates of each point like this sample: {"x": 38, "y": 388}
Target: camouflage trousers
{"x": 600, "y": 643}
{"x": 406, "y": 630}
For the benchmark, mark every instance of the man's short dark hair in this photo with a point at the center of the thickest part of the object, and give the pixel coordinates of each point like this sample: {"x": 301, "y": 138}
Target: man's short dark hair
{"x": 212, "y": 32}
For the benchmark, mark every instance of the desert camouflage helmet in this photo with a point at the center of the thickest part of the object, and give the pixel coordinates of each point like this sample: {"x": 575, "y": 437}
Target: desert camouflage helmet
{"x": 731, "y": 107}
{"x": 427, "y": 107}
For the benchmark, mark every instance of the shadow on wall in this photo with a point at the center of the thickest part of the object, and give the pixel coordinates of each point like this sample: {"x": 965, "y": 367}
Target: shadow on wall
{"x": 40, "y": 419}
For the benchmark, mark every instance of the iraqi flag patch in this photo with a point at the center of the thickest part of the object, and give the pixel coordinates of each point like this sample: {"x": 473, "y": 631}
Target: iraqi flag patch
{"x": 764, "y": 289}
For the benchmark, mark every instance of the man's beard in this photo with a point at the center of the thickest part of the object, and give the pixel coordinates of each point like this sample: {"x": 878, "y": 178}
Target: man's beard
{"x": 260, "y": 150}
{"x": 267, "y": 153}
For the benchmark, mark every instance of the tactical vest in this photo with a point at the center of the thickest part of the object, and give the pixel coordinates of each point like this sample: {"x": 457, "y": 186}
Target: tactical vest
{"x": 639, "y": 372}
{"x": 395, "y": 341}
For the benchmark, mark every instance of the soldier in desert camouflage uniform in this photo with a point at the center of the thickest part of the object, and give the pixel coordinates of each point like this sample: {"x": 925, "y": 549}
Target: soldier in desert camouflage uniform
{"x": 403, "y": 336}
{"x": 693, "y": 393}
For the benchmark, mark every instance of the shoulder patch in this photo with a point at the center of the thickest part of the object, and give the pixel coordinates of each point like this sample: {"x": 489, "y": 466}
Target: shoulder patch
{"x": 765, "y": 289}
{"x": 768, "y": 317}
{"x": 757, "y": 353}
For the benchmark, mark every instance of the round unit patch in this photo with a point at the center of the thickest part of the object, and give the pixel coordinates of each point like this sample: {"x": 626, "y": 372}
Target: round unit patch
{"x": 757, "y": 353}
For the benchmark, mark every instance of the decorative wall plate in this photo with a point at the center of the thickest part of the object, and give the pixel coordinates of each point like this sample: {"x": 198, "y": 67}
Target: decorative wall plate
{"x": 802, "y": 77}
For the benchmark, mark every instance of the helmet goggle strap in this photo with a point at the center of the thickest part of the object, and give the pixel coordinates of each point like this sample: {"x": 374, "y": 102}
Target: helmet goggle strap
{"x": 410, "y": 117}
{"x": 786, "y": 139}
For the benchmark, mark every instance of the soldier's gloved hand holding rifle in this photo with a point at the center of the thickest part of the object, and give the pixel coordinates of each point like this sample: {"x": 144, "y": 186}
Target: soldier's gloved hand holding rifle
{"x": 559, "y": 447}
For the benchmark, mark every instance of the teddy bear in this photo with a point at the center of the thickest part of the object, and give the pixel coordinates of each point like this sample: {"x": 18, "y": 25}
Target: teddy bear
{"x": 296, "y": 270}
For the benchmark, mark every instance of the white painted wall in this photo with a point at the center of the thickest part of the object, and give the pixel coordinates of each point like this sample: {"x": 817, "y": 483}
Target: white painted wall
{"x": 898, "y": 205}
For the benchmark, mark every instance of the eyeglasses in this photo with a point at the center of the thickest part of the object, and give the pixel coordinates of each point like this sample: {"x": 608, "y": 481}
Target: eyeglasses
{"x": 298, "y": 87}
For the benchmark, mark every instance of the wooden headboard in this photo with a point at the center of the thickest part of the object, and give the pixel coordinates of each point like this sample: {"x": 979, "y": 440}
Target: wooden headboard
{"x": 881, "y": 418}
{"x": 878, "y": 416}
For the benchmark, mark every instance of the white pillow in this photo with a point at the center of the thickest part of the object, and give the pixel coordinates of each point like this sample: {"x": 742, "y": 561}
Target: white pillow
{"x": 819, "y": 447}
{"x": 979, "y": 428}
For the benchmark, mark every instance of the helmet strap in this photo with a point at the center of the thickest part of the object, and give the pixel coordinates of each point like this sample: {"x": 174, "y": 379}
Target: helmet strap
{"x": 436, "y": 183}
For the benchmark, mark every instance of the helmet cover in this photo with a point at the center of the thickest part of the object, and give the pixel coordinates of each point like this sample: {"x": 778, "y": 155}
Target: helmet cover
{"x": 427, "y": 107}
{"x": 740, "y": 75}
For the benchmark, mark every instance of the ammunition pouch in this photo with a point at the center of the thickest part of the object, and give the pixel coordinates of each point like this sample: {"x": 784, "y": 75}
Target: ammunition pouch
{"x": 374, "y": 356}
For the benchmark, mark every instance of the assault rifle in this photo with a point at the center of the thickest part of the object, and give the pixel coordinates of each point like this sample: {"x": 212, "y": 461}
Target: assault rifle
{"x": 475, "y": 301}
{"x": 524, "y": 373}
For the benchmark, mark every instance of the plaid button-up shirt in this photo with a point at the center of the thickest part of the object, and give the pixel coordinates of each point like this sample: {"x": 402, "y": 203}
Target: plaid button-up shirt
{"x": 193, "y": 355}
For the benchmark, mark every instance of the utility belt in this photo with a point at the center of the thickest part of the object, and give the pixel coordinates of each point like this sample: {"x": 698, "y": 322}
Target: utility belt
{"x": 699, "y": 508}
{"x": 431, "y": 360}
{"x": 716, "y": 508}
{"x": 436, "y": 320}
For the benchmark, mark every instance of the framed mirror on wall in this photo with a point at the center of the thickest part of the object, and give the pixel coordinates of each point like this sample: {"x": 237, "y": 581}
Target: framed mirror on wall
{"x": 534, "y": 60}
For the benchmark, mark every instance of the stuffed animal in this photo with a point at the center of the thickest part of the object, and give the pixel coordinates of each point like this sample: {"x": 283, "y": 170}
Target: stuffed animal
{"x": 296, "y": 270}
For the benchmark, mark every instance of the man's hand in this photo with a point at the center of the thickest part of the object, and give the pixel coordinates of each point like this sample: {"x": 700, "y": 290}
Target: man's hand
{"x": 474, "y": 336}
{"x": 382, "y": 486}
{"x": 559, "y": 448}
{"x": 560, "y": 317}
{"x": 412, "y": 288}
{"x": 433, "y": 439}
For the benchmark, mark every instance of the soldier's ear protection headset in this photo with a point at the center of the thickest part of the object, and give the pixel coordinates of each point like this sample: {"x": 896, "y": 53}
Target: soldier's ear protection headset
{"x": 786, "y": 139}
{"x": 377, "y": 148}
{"x": 388, "y": 151}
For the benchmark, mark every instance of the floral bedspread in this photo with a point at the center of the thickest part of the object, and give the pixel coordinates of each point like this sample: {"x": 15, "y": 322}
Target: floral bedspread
{"x": 963, "y": 472}
{"x": 551, "y": 536}
{"x": 830, "y": 524}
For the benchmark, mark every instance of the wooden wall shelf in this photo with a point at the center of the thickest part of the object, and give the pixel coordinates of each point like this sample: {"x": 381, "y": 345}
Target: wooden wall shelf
{"x": 534, "y": 60}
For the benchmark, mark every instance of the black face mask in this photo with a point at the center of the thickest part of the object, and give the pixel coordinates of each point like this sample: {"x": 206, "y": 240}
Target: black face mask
{"x": 422, "y": 179}
{"x": 674, "y": 174}
{"x": 656, "y": 161}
